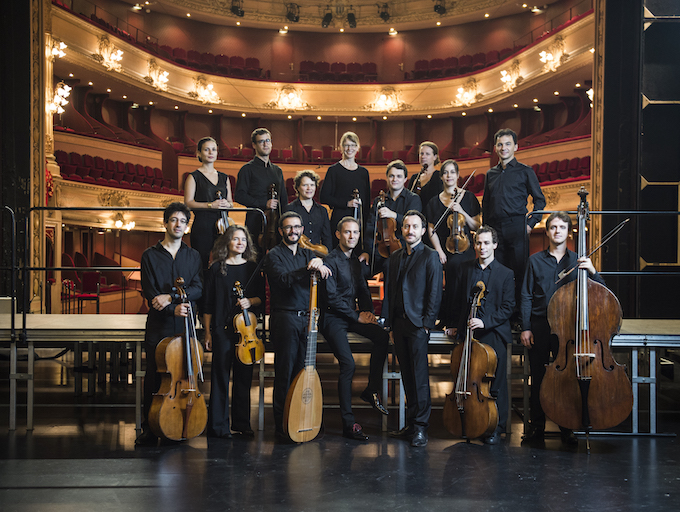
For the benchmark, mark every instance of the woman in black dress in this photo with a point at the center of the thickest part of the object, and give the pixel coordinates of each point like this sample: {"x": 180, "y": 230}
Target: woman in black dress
{"x": 341, "y": 179}
{"x": 466, "y": 205}
{"x": 233, "y": 260}
{"x": 429, "y": 182}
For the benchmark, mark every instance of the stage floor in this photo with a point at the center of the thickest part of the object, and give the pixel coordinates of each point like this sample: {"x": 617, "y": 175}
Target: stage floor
{"x": 81, "y": 457}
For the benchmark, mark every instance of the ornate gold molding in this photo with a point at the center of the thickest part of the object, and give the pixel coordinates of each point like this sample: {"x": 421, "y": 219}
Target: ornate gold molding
{"x": 598, "y": 124}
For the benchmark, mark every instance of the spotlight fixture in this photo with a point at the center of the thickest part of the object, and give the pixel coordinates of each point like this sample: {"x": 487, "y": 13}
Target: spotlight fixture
{"x": 385, "y": 12}
{"x": 439, "y": 7}
{"x": 237, "y": 8}
{"x": 293, "y": 13}
{"x": 328, "y": 17}
{"x": 351, "y": 18}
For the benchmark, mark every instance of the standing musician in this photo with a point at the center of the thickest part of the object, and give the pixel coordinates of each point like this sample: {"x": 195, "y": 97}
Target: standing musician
{"x": 538, "y": 287}
{"x": 429, "y": 180}
{"x": 492, "y": 323}
{"x": 314, "y": 216}
{"x": 234, "y": 258}
{"x": 448, "y": 203}
{"x": 345, "y": 289}
{"x": 506, "y": 189}
{"x": 341, "y": 180}
{"x": 398, "y": 201}
{"x": 287, "y": 267}
{"x": 412, "y": 298}
{"x": 161, "y": 264}
{"x": 254, "y": 179}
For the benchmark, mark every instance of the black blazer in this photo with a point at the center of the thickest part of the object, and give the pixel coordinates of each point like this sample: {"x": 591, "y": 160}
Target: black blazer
{"x": 422, "y": 286}
{"x": 497, "y": 305}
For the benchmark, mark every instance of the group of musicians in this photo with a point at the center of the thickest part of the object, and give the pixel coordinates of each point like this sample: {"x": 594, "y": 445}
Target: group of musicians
{"x": 427, "y": 283}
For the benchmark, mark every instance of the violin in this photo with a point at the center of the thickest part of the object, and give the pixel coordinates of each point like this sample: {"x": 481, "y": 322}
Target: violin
{"x": 319, "y": 249}
{"x": 457, "y": 242}
{"x": 585, "y": 387}
{"x": 304, "y": 403}
{"x": 470, "y": 411}
{"x": 385, "y": 232}
{"x": 250, "y": 348}
{"x": 224, "y": 221}
{"x": 178, "y": 411}
{"x": 267, "y": 240}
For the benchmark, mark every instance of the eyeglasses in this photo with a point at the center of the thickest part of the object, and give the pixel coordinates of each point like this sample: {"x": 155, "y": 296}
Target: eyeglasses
{"x": 350, "y": 146}
{"x": 297, "y": 227}
{"x": 262, "y": 142}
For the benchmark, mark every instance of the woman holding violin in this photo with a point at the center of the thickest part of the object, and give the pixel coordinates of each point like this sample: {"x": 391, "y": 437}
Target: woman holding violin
{"x": 234, "y": 258}
{"x": 427, "y": 183}
{"x": 314, "y": 216}
{"x": 340, "y": 182}
{"x": 451, "y": 216}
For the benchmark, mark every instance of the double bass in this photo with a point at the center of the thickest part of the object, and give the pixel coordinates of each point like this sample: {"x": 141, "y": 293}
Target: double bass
{"x": 304, "y": 403}
{"x": 470, "y": 411}
{"x": 267, "y": 240}
{"x": 385, "y": 231}
{"x": 585, "y": 387}
{"x": 250, "y": 348}
{"x": 223, "y": 223}
{"x": 178, "y": 411}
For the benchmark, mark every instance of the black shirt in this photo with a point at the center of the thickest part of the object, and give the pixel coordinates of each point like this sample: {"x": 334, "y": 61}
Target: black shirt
{"x": 338, "y": 186}
{"x": 405, "y": 201}
{"x": 288, "y": 277}
{"x": 316, "y": 223}
{"x": 435, "y": 209}
{"x": 506, "y": 192}
{"x": 539, "y": 283}
{"x": 431, "y": 189}
{"x": 252, "y": 190}
{"x": 345, "y": 287}
{"x": 159, "y": 271}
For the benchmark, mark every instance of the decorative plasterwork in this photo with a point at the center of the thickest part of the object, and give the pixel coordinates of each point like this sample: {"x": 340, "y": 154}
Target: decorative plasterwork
{"x": 554, "y": 56}
{"x": 157, "y": 78}
{"x": 467, "y": 94}
{"x": 288, "y": 98}
{"x": 511, "y": 77}
{"x": 387, "y": 99}
{"x": 204, "y": 91}
{"x": 113, "y": 198}
{"x": 108, "y": 56}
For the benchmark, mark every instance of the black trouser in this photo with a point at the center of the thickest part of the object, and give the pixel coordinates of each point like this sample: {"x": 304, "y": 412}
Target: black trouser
{"x": 410, "y": 343}
{"x": 499, "y": 385}
{"x": 223, "y": 360}
{"x": 152, "y": 380}
{"x": 289, "y": 336}
{"x": 513, "y": 249}
{"x": 335, "y": 331}
{"x": 545, "y": 345}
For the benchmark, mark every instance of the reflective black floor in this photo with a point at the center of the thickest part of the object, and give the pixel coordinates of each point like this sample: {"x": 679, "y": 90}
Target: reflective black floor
{"x": 81, "y": 457}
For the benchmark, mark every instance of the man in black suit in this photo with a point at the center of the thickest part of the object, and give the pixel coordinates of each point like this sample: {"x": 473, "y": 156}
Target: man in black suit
{"x": 412, "y": 297}
{"x": 492, "y": 323}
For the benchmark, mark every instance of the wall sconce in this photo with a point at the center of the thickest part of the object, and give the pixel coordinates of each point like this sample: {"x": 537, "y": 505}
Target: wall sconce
{"x": 119, "y": 222}
{"x": 204, "y": 91}
{"x": 590, "y": 93}
{"x": 61, "y": 92}
{"x": 555, "y": 56}
{"x": 288, "y": 98}
{"x": 467, "y": 94}
{"x": 511, "y": 78}
{"x": 57, "y": 50}
{"x": 387, "y": 100}
{"x": 157, "y": 78}
{"x": 108, "y": 56}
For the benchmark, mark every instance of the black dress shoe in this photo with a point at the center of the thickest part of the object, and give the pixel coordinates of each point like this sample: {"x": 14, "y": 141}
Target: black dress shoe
{"x": 248, "y": 432}
{"x": 494, "y": 438}
{"x": 405, "y": 433}
{"x": 568, "y": 437}
{"x": 419, "y": 438}
{"x": 146, "y": 438}
{"x": 534, "y": 433}
{"x": 374, "y": 400}
{"x": 355, "y": 433}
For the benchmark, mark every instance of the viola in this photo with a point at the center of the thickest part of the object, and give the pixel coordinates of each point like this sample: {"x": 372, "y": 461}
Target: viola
{"x": 457, "y": 242}
{"x": 224, "y": 221}
{"x": 470, "y": 411}
{"x": 250, "y": 348}
{"x": 319, "y": 249}
{"x": 304, "y": 403}
{"x": 267, "y": 240}
{"x": 585, "y": 387}
{"x": 178, "y": 411}
{"x": 385, "y": 232}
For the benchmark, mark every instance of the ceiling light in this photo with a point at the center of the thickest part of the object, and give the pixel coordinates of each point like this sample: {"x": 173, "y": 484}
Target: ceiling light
{"x": 439, "y": 7}
{"x": 283, "y": 30}
{"x": 354, "y": 119}
{"x": 535, "y": 100}
{"x": 439, "y": 23}
{"x": 151, "y": 103}
{"x": 176, "y": 107}
{"x": 384, "y": 12}
{"x": 393, "y": 32}
{"x": 384, "y": 118}
{"x": 136, "y": 7}
{"x": 237, "y": 8}
{"x": 124, "y": 96}
{"x": 210, "y": 111}
{"x": 486, "y": 15}
{"x": 515, "y": 105}
{"x": 188, "y": 15}
{"x": 429, "y": 116}
{"x": 592, "y": 50}
{"x": 290, "y": 117}
{"x": 342, "y": 30}
{"x": 524, "y": 6}
{"x": 318, "y": 118}
{"x": 238, "y": 23}
{"x": 90, "y": 83}
{"x": 556, "y": 93}
{"x": 70, "y": 75}
{"x": 293, "y": 13}
{"x": 578, "y": 85}
{"x": 108, "y": 90}
{"x": 463, "y": 114}
{"x": 243, "y": 114}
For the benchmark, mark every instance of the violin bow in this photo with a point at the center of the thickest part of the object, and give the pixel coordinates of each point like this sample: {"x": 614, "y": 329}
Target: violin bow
{"x": 606, "y": 239}
{"x": 448, "y": 209}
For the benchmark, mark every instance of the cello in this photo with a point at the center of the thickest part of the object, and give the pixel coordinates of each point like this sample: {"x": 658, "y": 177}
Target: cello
{"x": 585, "y": 387}
{"x": 178, "y": 411}
{"x": 267, "y": 240}
{"x": 223, "y": 223}
{"x": 385, "y": 232}
{"x": 250, "y": 348}
{"x": 304, "y": 403}
{"x": 470, "y": 411}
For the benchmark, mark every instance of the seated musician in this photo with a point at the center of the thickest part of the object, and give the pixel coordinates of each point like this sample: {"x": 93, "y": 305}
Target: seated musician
{"x": 398, "y": 201}
{"x": 288, "y": 267}
{"x": 492, "y": 323}
{"x": 234, "y": 258}
{"x": 346, "y": 288}
{"x": 539, "y": 285}
{"x": 161, "y": 264}
{"x": 314, "y": 216}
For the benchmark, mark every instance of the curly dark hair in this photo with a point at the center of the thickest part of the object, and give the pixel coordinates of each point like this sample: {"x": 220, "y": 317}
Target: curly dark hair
{"x": 220, "y": 250}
